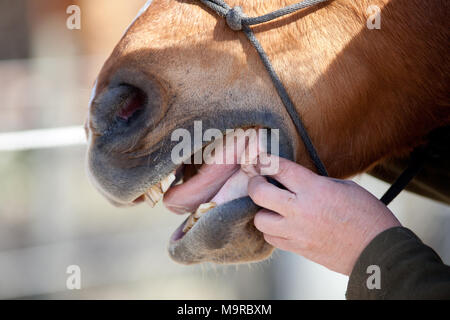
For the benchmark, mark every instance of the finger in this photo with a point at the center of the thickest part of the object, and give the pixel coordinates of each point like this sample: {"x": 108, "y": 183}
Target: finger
{"x": 269, "y": 196}
{"x": 269, "y": 222}
{"x": 288, "y": 173}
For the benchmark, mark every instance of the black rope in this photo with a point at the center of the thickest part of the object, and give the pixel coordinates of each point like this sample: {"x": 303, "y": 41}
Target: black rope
{"x": 416, "y": 163}
{"x": 436, "y": 147}
{"x": 236, "y": 20}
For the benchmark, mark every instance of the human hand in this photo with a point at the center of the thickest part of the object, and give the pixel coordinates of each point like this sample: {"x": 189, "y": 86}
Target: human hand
{"x": 326, "y": 220}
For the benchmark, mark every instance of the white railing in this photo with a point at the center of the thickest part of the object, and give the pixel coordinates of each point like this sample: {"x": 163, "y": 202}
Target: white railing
{"x": 42, "y": 138}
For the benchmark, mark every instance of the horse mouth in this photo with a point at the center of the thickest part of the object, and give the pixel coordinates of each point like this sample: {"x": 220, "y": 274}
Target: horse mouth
{"x": 220, "y": 226}
{"x": 214, "y": 195}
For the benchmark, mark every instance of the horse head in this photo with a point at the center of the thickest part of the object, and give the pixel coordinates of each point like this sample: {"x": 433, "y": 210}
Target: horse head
{"x": 364, "y": 95}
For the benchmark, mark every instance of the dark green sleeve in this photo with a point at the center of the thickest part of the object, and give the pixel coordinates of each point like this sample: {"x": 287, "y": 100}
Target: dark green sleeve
{"x": 408, "y": 269}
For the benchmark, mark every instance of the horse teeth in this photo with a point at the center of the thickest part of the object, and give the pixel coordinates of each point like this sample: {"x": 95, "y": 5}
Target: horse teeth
{"x": 189, "y": 223}
{"x": 203, "y": 208}
{"x": 149, "y": 200}
{"x": 167, "y": 182}
{"x": 155, "y": 193}
{"x": 193, "y": 218}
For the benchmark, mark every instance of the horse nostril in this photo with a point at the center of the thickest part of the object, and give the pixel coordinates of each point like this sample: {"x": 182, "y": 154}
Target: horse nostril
{"x": 117, "y": 107}
{"x": 132, "y": 105}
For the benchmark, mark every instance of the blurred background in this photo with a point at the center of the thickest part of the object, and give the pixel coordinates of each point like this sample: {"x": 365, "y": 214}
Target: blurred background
{"x": 50, "y": 215}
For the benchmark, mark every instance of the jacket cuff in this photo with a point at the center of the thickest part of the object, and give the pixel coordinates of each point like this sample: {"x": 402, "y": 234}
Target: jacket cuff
{"x": 380, "y": 256}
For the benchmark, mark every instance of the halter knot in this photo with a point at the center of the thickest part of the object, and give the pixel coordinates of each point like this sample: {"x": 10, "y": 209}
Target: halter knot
{"x": 234, "y": 18}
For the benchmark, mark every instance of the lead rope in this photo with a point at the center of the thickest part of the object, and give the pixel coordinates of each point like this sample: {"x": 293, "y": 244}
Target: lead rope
{"x": 237, "y": 21}
{"x": 416, "y": 162}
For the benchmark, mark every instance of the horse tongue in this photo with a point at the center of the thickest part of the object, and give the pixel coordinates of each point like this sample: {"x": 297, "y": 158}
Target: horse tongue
{"x": 215, "y": 182}
{"x": 234, "y": 188}
{"x": 186, "y": 197}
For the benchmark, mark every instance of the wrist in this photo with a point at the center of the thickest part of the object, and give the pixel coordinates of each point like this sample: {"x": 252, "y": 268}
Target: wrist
{"x": 385, "y": 221}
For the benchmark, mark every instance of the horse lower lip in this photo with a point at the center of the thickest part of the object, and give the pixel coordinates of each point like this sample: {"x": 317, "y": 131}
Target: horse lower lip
{"x": 234, "y": 188}
{"x": 222, "y": 228}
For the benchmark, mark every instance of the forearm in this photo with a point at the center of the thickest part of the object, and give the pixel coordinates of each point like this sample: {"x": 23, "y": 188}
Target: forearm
{"x": 408, "y": 269}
